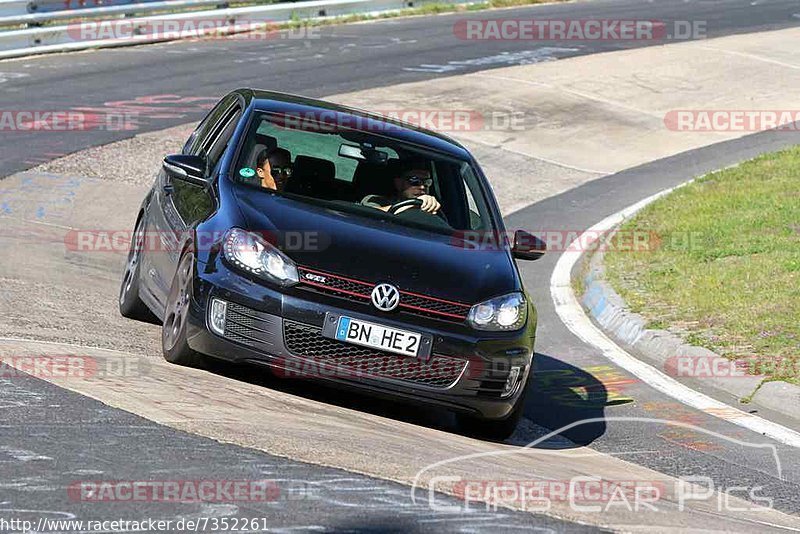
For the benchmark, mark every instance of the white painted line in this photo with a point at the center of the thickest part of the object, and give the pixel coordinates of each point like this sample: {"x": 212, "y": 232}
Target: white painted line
{"x": 23, "y": 455}
{"x": 580, "y": 94}
{"x": 59, "y": 343}
{"x": 750, "y": 56}
{"x": 571, "y": 313}
{"x": 42, "y": 223}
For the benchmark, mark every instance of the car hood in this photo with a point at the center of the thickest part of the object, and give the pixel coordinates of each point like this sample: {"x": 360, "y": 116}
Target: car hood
{"x": 374, "y": 250}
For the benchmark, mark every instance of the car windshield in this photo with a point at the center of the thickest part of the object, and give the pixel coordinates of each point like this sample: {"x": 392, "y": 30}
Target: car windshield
{"x": 362, "y": 172}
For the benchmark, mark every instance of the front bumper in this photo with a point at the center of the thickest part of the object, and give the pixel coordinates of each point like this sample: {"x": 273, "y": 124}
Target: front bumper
{"x": 282, "y": 330}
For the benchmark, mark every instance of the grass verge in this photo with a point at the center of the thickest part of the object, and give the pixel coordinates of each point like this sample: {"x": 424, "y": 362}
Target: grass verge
{"x": 722, "y": 264}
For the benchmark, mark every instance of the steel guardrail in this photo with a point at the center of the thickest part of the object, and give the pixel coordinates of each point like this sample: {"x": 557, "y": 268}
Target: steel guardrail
{"x": 143, "y": 29}
{"x": 106, "y": 10}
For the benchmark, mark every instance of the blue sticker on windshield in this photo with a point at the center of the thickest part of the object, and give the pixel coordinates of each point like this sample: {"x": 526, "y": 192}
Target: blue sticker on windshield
{"x": 247, "y": 172}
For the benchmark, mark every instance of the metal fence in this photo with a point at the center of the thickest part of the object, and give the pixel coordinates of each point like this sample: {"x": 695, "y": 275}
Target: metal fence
{"x": 34, "y": 27}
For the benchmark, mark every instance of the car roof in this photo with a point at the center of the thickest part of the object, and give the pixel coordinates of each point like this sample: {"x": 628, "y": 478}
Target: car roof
{"x": 276, "y": 102}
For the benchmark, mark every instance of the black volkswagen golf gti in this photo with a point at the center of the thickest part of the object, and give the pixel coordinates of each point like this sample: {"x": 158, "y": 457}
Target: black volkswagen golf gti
{"x": 326, "y": 242}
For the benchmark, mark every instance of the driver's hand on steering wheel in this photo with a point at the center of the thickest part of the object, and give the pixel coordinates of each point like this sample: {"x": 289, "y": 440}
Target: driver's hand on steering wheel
{"x": 429, "y": 204}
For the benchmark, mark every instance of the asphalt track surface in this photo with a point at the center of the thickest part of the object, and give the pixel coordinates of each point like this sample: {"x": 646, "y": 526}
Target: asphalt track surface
{"x": 78, "y": 440}
{"x": 349, "y": 58}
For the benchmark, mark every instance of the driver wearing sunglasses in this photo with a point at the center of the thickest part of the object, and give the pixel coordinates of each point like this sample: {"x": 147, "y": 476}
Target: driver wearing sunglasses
{"x": 413, "y": 183}
{"x": 274, "y": 168}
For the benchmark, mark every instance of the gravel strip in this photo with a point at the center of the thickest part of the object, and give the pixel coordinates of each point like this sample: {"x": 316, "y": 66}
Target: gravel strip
{"x": 132, "y": 161}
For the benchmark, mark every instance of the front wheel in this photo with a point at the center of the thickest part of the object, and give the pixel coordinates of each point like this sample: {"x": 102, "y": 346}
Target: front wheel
{"x": 493, "y": 430}
{"x": 176, "y": 317}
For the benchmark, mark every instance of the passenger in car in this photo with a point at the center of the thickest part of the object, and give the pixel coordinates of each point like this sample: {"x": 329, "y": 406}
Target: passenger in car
{"x": 274, "y": 167}
{"x": 414, "y": 182}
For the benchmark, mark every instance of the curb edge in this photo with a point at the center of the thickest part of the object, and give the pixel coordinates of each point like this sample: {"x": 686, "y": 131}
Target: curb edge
{"x": 611, "y": 313}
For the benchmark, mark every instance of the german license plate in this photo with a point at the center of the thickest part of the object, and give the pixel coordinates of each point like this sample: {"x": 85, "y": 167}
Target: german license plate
{"x": 381, "y": 337}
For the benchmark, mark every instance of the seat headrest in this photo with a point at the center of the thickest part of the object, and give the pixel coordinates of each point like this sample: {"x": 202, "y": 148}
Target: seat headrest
{"x": 261, "y": 142}
{"x": 374, "y": 179}
{"x": 314, "y": 168}
{"x": 311, "y": 176}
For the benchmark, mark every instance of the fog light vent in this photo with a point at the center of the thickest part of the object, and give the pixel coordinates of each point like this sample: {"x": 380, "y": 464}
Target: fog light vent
{"x": 512, "y": 381}
{"x": 216, "y": 316}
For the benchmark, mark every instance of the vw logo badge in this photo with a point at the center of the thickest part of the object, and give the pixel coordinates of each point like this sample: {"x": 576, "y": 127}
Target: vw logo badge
{"x": 385, "y": 297}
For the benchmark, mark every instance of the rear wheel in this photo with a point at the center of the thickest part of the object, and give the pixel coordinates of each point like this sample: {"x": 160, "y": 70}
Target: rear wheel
{"x": 130, "y": 305}
{"x": 176, "y": 317}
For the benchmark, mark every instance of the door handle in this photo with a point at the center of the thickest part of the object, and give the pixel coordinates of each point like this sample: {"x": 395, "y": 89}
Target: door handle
{"x": 169, "y": 189}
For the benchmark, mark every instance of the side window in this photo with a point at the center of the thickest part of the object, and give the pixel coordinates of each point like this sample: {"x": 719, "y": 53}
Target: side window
{"x": 194, "y": 144}
{"x": 187, "y": 147}
{"x": 475, "y": 221}
{"x": 217, "y": 141}
{"x": 478, "y": 213}
{"x": 193, "y": 202}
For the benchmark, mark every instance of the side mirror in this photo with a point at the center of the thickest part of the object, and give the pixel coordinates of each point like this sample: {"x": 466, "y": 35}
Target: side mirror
{"x": 527, "y": 246}
{"x": 190, "y": 169}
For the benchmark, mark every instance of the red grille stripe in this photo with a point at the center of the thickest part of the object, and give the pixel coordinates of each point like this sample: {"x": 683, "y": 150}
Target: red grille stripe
{"x": 323, "y": 273}
{"x": 335, "y": 289}
{"x": 454, "y": 303}
{"x": 432, "y": 311}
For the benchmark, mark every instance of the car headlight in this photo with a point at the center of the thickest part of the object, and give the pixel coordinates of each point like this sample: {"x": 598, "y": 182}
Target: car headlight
{"x": 508, "y": 312}
{"x": 251, "y": 253}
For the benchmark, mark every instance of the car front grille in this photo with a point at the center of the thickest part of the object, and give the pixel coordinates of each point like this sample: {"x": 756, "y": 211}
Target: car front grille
{"x": 253, "y": 328}
{"x": 306, "y": 342}
{"x": 360, "y": 291}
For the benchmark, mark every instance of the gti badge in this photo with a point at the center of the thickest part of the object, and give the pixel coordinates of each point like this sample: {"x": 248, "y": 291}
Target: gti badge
{"x": 315, "y": 278}
{"x": 385, "y": 297}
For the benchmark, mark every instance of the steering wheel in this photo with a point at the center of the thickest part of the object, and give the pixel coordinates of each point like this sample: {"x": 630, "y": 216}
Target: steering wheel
{"x": 415, "y": 202}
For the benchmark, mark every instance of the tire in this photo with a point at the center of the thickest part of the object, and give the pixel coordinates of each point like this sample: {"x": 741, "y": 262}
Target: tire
{"x": 490, "y": 429}
{"x": 176, "y": 315}
{"x": 130, "y": 304}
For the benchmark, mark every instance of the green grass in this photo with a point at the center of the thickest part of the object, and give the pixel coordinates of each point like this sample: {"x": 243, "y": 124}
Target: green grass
{"x": 723, "y": 263}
